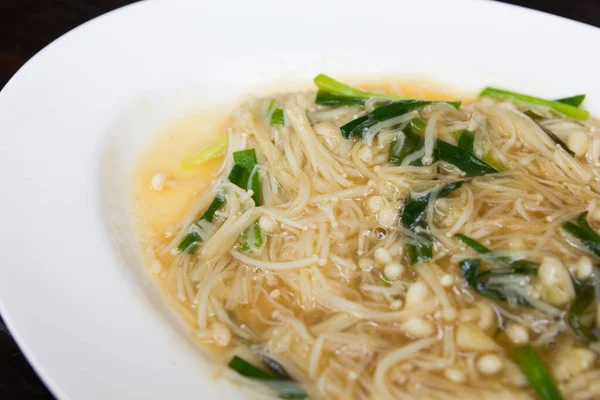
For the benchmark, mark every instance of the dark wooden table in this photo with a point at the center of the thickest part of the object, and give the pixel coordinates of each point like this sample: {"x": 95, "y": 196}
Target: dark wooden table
{"x": 26, "y": 26}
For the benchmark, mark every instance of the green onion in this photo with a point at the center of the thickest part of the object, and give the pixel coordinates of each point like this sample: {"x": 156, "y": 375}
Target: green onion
{"x": 394, "y": 109}
{"x": 535, "y": 117}
{"x": 287, "y": 389}
{"x": 459, "y": 156}
{"x": 273, "y": 366}
{"x": 472, "y": 243}
{"x": 522, "y": 266}
{"x": 330, "y": 85}
{"x": 420, "y": 249}
{"x": 556, "y": 139}
{"x": 464, "y": 160}
{"x": 465, "y": 141}
{"x": 217, "y": 149}
{"x": 252, "y": 238}
{"x": 560, "y": 107}
{"x": 414, "y": 218}
{"x": 357, "y": 127}
{"x": 277, "y": 117}
{"x": 478, "y": 280}
{"x": 399, "y": 150}
{"x": 241, "y": 175}
{"x": 386, "y": 281}
{"x": 244, "y": 175}
{"x": 470, "y": 269}
{"x": 490, "y": 160}
{"x": 536, "y": 372}
{"x": 574, "y": 101}
{"x": 245, "y": 158}
{"x": 331, "y": 99}
{"x": 248, "y": 370}
{"x": 417, "y": 126}
{"x": 582, "y": 231}
{"x": 585, "y": 296}
{"x": 188, "y": 244}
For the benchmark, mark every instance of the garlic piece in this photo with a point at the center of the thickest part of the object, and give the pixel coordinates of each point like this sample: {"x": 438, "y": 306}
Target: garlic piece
{"x": 417, "y": 294}
{"x": 489, "y": 364}
{"x": 554, "y": 282}
{"x": 470, "y": 337}
{"x": 417, "y": 327}
{"x": 578, "y": 143}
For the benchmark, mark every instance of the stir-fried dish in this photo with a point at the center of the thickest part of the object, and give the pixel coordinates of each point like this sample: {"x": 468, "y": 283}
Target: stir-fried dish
{"x": 364, "y": 245}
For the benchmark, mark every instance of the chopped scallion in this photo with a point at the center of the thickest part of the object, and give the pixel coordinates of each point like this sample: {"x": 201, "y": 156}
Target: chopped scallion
{"x": 464, "y": 160}
{"x": 537, "y": 373}
{"x": 466, "y": 140}
{"x": 584, "y": 297}
{"x": 332, "y": 99}
{"x": 574, "y": 101}
{"x": 330, "y": 85}
{"x": 286, "y": 388}
{"x": 188, "y": 244}
{"x": 215, "y": 150}
{"x": 563, "y": 108}
{"x": 414, "y": 218}
{"x": 584, "y": 232}
{"x": 277, "y": 117}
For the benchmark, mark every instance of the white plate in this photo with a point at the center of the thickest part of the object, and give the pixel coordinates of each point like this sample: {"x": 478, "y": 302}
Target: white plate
{"x": 82, "y": 309}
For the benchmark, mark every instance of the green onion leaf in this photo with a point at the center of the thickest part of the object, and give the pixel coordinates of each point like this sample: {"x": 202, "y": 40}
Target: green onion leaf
{"x": 420, "y": 249}
{"x": 465, "y": 141}
{"x": 386, "y": 281}
{"x": 584, "y": 298}
{"x": 520, "y": 266}
{"x": 252, "y": 238}
{"x": 328, "y": 84}
{"x": 414, "y": 218}
{"x": 209, "y": 214}
{"x": 556, "y": 139}
{"x": 470, "y": 269}
{"x": 346, "y": 95}
{"x": 536, "y": 118}
{"x": 245, "y": 175}
{"x": 464, "y": 160}
{"x": 274, "y": 367}
{"x": 472, "y": 243}
{"x": 245, "y": 158}
{"x": 254, "y": 185}
{"x": 417, "y": 126}
{"x": 574, "y": 101}
{"x": 215, "y": 150}
{"x": 277, "y": 117}
{"x": 394, "y": 109}
{"x": 449, "y": 188}
{"x": 188, "y": 244}
{"x": 248, "y": 370}
{"x": 584, "y": 232}
{"x": 536, "y": 372}
{"x": 287, "y": 389}
{"x": 331, "y": 99}
{"x": 400, "y": 149}
{"x": 560, "y": 107}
